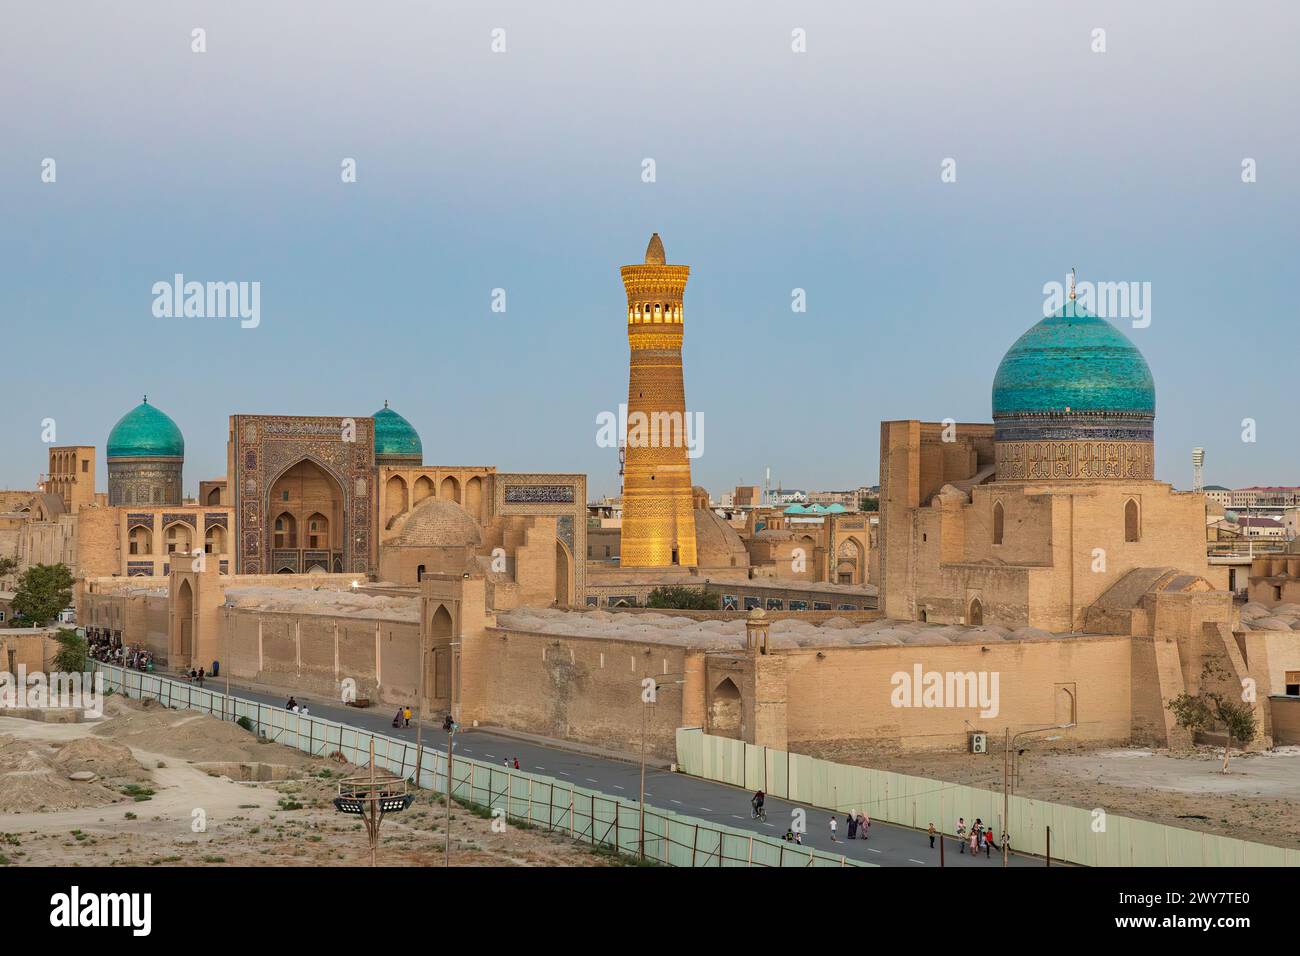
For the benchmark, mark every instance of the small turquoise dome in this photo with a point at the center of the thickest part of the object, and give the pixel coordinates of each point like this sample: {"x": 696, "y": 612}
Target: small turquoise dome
{"x": 1073, "y": 362}
{"x": 145, "y": 432}
{"x": 395, "y": 437}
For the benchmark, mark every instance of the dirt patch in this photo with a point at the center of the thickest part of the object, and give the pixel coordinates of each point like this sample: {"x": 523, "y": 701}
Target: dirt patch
{"x": 187, "y": 735}
{"x": 1258, "y": 800}
{"x": 34, "y": 774}
{"x": 165, "y": 804}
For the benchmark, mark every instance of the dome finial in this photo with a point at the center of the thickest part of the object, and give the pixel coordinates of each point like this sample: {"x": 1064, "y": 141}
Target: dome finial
{"x": 385, "y": 403}
{"x": 1071, "y": 283}
{"x": 146, "y": 400}
{"x": 654, "y": 252}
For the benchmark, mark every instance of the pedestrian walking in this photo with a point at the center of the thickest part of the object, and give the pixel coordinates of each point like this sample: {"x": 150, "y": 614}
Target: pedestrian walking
{"x": 516, "y": 763}
{"x": 988, "y": 844}
{"x": 931, "y": 836}
{"x": 974, "y": 842}
{"x": 406, "y": 715}
{"x": 833, "y": 826}
{"x": 864, "y": 825}
{"x": 852, "y": 824}
{"x": 200, "y": 676}
{"x": 961, "y": 834}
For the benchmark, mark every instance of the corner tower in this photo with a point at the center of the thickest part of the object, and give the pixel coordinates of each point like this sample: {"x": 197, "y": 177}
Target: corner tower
{"x": 658, "y": 521}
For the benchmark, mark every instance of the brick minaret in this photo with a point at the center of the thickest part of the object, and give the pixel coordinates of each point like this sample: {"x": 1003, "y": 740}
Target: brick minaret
{"x": 658, "y": 521}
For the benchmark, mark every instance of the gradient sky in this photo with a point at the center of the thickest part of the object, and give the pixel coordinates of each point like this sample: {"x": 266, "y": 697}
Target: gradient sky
{"x": 522, "y": 170}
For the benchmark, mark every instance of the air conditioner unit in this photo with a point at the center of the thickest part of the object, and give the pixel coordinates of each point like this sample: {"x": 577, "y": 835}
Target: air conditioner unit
{"x": 979, "y": 742}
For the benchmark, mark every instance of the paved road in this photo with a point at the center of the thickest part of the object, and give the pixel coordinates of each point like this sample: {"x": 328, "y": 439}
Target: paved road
{"x": 889, "y": 845}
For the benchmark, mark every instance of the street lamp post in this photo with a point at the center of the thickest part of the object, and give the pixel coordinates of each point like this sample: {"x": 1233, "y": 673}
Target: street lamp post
{"x": 649, "y": 695}
{"x": 1008, "y": 741}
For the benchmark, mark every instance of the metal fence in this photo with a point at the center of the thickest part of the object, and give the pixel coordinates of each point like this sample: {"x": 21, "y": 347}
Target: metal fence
{"x": 609, "y": 823}
{"x": 1089, "y": 837}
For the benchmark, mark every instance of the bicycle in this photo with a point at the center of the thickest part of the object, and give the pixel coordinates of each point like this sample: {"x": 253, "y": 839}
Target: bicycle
{"x": 758, "y": 813}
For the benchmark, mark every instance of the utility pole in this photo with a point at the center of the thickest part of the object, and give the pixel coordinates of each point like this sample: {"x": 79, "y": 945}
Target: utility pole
{"x": 419, "y": 696}
{"x": 450, "y": 726}
{"x": 1006, "y": 757}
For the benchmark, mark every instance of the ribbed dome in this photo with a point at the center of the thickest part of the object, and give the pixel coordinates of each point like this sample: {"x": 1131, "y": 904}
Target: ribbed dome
{"x": 1073, "y": 362}
{"x": 717, "y": 545}
{"x": 145, "y": 432}
{"x": 395, "y": 437}
{"x": 438, "y": 523}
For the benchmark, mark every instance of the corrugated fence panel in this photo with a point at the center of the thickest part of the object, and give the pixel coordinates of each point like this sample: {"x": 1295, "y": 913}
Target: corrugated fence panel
{"x": 755, "y": 767}
{"x": 1078, "y": 835}
{"x": 592, "y": 817}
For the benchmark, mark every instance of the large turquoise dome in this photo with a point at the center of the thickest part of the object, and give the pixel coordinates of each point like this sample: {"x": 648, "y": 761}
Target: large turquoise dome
{"x": 395, "y": 438}
{"x": 1073, "y": 362}
{"x": 145, "y": 432}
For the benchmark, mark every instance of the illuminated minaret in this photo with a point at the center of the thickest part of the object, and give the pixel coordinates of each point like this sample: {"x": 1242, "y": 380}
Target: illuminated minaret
{"x": 658, "y": 521}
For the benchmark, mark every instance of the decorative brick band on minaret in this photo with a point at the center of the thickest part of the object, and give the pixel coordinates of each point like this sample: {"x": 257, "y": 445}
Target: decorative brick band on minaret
{"x": 658, "y": 520}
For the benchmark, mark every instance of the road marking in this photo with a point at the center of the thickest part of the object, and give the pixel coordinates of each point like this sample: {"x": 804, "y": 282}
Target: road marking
{"x": 539, "y": 768}
{"x": 769, "y": 824}
{"x": 706, "y": 809}
{"x": 678, "y": 802}
{"x": 565, "y": 772}
{"x": 918, "y": 862}
{"x": 493, "y": 756}
{"x": 872, "y": 850}
{"x": 617, "y": 787}
{"x": 734, "y": 817}
{"x": 591, "y": 780}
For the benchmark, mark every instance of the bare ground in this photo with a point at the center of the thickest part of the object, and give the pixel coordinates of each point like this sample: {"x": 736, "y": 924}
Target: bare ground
{"x": 1258, "y": 799}
{"x": 149, "y": 797}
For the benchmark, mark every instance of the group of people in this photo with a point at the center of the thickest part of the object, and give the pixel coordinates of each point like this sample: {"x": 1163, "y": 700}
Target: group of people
{"x": 197, "y": 676}
{"x": 857, "y": 824}
{"x": 403, "y": 716}
{"x": 977, "y": 837}
{"x": 296, "y": 707}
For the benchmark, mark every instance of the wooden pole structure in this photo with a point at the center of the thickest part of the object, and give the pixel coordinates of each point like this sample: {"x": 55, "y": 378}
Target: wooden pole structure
{"x": 1049, "y": 846}
{"x": 1006, "y": 824}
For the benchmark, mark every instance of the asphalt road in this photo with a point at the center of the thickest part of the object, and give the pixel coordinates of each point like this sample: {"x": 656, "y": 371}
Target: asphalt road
{"x": 888, "y": 845}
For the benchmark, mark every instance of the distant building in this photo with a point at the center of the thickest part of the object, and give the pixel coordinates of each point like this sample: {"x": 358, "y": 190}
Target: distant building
{"x": 1257, "y": 496}
{"x": 747, "y": 496}
{"x": 1256, "y": 527}
{"x": 1220, "y": 495}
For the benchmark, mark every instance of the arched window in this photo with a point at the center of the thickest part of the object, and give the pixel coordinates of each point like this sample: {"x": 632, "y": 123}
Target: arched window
{"x": 318, "y": 531}
{"x": 140, "y": 541}
{"x": 1132, "y": 528}
{"x": 178, "y": 538}
{"x": 286, "y": 531}
{"x": 976, "y": 615}
{"x": 997, "y": 522}
{"x": 215, "y": 540}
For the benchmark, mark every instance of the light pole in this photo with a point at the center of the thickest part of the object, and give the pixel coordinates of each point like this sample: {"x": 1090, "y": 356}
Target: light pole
{"x": 1008, "y": 740}
{"x": 649, "y": 695}
{"x": 448, "y": 725}
{"x": 419, "y": 697}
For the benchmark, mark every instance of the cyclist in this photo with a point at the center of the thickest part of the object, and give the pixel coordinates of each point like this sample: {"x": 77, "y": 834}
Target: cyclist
{"x": 757, "y": 803}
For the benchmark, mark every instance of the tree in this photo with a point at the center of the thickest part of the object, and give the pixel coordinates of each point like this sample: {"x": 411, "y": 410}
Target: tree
{"x": 680, "y": 598}
{"x": 43, "y": 591}
{"x": 1209, "y": 708}
{"x": 70, "y": 658}
{"x": 869, "y": 503}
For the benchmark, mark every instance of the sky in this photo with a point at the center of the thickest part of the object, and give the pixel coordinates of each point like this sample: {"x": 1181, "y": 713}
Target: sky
{"x": 523, "y": 170}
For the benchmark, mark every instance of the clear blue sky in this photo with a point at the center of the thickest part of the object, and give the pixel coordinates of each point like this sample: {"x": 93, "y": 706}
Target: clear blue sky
{"x": 522, "y": 170}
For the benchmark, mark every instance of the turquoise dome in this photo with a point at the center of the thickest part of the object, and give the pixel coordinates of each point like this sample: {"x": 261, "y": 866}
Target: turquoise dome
{"x": 145, "y": 432}
{"x": 1073, "y": 362}
{"x": 395, "y": 437}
